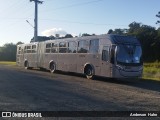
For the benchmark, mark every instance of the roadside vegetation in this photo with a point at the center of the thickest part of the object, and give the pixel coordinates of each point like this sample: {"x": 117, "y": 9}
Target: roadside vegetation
{"x": 151, "y": 71}
{"x": 9, "y": 63}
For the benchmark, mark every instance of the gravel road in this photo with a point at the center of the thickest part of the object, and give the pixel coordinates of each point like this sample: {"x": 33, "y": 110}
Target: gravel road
{"x": 35, "y": 90}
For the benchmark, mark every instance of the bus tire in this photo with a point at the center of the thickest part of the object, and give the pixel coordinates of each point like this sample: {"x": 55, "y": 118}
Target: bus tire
{"x": 26, "y": 65}
{"x": 89, "y": 72}
{"x": 52, "y": 67}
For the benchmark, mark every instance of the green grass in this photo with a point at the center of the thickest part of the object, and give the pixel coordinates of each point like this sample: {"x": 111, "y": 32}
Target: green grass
{"x": 151, "y": 71}
{"x": 8, "y": 63}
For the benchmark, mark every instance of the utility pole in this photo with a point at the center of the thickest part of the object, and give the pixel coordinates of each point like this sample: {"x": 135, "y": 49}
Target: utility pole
{"x": 36, "y": 19}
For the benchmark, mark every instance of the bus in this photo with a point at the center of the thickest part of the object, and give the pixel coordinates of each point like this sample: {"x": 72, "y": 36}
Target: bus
{"x": 113, "y": 56}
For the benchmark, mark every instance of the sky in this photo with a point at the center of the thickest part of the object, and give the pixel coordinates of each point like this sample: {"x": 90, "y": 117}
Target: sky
{"x": 72, "y": 17}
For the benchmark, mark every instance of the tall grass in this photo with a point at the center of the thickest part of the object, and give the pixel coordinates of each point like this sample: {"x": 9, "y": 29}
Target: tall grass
{"x": 7, "y": 63}
{"x": 152, "y": 70}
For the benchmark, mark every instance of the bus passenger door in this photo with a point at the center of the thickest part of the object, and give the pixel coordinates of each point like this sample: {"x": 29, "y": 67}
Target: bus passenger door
{"x": 40, "y": 55}
{"x": 105, "y": 65}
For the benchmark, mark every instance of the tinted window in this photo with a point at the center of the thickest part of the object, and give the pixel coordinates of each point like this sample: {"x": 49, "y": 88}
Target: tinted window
{"x": 54, "y": 50}
{"x": 83, "y": 46}
{"x": 62, "y": 44}
{"x": 29, "y": 51}
{"x": 105, "y": 53}
{"x": 62, "y": 47}
{"x": 33, "y": 46}
{"x": 54, "y": 44}
{"x": 72, "y": 47}
{"x": 28, "y": 47}
{"x": 62, "y": 50}
{"x": 48, "y": 45}
{"x": 94, "y": 46}
{"x": 48, "y": 50}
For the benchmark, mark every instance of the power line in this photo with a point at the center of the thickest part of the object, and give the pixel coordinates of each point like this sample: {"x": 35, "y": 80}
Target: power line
{"x": 67, "y": 21}
{"x": 77, "y": 22}
{"x": 74, "y": 5}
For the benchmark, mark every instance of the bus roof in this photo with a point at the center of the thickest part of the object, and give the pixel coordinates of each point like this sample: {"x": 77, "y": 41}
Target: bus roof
{"x": 121, "y": 39}
{"x": 114, "y": 39}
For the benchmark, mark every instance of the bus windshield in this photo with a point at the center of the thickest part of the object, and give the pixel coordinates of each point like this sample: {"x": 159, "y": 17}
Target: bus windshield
{"x": 129, "y": 55}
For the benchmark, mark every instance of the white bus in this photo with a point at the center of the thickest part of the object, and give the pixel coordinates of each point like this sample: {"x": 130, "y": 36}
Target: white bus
{"x": 112, "y": 56}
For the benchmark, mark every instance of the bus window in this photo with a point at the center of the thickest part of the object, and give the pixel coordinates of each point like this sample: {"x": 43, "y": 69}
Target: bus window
{"x": 94, "y": 46}
{"x": 62, "y": 47}
{"x": 54, "y": 48}
{"x": 28, "y": 49}
{"x": 72, "y": 47}
{"x": 19, "y": 50}
{"x": 54, "y": 44}
{"x": 48, "y": 47}
{"x": 33, "y": 48}
{"x": 83, "y": 46}
{"x": 105, "y": 53}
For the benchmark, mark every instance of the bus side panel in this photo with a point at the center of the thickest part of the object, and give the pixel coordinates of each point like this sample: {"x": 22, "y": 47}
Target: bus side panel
{"x": 32, "y": 59}
{"x": 71, "y": 62}
{"x": 49, "y": 57}
{"x": 92, "y": 59}
{"x": 62, "y": 62}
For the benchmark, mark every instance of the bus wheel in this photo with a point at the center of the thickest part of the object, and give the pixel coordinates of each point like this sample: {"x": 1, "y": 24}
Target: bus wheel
{"x": 89, "y": 72}
{"x": 26, "y": 65}
{"x": 52, "y": 68}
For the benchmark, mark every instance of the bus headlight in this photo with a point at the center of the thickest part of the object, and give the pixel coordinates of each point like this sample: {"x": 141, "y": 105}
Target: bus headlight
{"x": 120, "y": 67}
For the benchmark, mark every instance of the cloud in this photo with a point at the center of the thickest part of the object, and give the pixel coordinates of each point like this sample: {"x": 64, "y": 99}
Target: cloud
{"x": 54, "y": 31}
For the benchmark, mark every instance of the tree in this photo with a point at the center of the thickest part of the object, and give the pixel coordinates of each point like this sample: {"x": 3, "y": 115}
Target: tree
{"x": 85, "y": 34}
{"x": 40, "y": 38}
{"x": 147, "y": 36}
{"x": 110, "y": 31}
{"x": 118, "y": 31}
{"x": 52, "y": 37}
{"x": 158, "y": 15}
{"x": 8, "y": 52}
{"x": 18, "y": 43}
{"x": 68, "y": 36}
